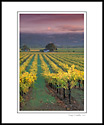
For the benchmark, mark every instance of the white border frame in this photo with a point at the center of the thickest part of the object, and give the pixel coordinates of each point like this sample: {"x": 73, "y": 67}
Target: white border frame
{"x": 85, "y": 58}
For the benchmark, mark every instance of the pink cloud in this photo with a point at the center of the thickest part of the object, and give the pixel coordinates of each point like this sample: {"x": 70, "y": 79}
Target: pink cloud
{"x": 71, "y": 28}
{"x": 51, "y": 23}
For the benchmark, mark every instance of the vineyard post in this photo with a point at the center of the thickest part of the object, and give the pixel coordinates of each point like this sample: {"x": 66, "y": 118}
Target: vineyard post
{"x": 57, "y": 89}
{"x": 79, "y": 82}
{"x": 64, "y": 93}
{"x": 69, "y": 92}
{"x": 83, "y": 83}
{"x": 52, "y": 86}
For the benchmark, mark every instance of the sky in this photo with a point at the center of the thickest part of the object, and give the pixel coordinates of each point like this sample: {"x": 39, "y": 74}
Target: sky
{"x": 51, "y": 23}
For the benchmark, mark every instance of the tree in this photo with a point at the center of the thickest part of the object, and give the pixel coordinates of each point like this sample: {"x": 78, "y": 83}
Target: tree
{"x": 25, "y": 48}
{"x": 51, "y": 47}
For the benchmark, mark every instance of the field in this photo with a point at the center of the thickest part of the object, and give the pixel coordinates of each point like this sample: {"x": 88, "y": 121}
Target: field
{"x": 60, "y": 49}
{"x": 52, "y": 81}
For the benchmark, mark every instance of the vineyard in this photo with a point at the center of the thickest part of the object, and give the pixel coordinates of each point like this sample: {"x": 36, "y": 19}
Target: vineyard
{"x": 51, "y": 81}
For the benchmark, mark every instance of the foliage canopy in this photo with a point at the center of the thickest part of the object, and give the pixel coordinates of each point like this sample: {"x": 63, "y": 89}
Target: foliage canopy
{"x": 51, "y": 47}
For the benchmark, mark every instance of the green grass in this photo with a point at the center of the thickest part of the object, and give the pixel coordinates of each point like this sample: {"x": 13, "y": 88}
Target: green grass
{"x": 70, "y": 50}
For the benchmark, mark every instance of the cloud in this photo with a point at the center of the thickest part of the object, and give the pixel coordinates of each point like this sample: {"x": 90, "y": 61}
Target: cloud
{"x": 71, "y": 28}
{"x": 51, "y": 23}
{"x": 40, "y": 18}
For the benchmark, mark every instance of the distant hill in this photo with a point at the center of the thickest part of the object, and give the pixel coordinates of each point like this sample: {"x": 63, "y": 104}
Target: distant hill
{"x": 60, "y": 40}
